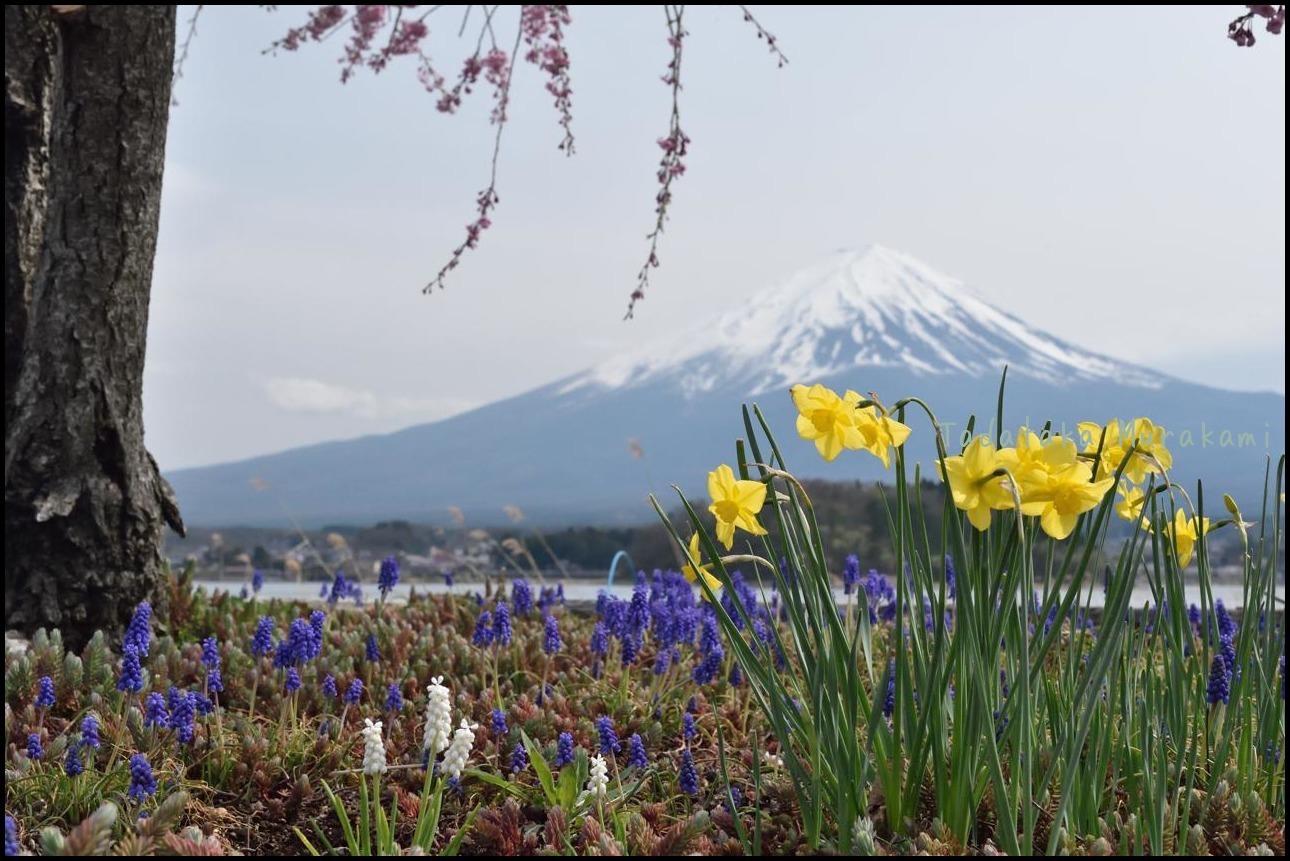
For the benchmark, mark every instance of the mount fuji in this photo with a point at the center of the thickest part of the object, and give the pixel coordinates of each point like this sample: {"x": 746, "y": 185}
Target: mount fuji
{"x": 590, "y": 447}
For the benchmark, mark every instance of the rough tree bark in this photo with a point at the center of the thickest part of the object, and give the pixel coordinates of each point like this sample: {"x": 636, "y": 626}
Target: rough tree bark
{"x": 87, "y": 100}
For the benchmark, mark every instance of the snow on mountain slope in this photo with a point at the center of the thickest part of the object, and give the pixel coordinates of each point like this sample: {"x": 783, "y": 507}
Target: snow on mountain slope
{"x": 872, "y": 308}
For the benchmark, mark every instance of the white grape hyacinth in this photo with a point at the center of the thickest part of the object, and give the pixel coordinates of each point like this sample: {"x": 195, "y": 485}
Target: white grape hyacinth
{"x": 373, "y": 747}
{"x": 598, "y": 778}
{"x": 438, "y": 717}
{"x": 459, "y": 750}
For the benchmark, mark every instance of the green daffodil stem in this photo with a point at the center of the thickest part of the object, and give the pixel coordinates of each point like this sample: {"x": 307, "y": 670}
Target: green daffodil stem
{"x": 255, "y": 687}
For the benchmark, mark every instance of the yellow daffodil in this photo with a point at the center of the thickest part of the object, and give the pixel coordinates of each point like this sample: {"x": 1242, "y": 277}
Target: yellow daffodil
{"x": 1131, "y": 501}
{"x": 1032, "y": 460}
{"x": 973, "y": 483}
{"x": 1147, "y": 440}
{"x": 735, "y": 503}
{"x": 881, "y": 433}
{"x": 706, "y": 570}
{"x": 1060, "y": 495}
{"x": 828, "y": 420}
{"x": 1183, "y": 533}
{"x": 834, "y": 423}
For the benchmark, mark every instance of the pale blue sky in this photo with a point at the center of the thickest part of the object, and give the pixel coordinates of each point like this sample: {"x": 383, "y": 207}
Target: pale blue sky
{"x": 1115, "y": 176}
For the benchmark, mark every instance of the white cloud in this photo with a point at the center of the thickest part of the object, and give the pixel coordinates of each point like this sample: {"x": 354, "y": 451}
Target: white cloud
{"x": 303, "y": 395}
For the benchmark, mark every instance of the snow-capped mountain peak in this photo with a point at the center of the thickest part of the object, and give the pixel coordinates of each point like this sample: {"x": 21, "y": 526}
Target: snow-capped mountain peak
{"x": 875, "y": 307}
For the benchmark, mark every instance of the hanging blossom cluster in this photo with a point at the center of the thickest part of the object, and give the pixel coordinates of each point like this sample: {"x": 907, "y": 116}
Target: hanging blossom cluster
{"x": 675, "y": 146}
{"x": 377, "y": 35}
{"x": 366, "y": 23}
{"x": 1241, "y": 30}
{"x": 543, "y": 32}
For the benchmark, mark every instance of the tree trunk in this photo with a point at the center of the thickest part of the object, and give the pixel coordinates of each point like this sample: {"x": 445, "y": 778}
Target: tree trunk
{"x": 87, "y": 99}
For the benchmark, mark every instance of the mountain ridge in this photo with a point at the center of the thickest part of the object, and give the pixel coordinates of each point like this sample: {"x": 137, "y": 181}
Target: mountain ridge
{"x": 561, "y": 451}
{"x": 883, "y": 290}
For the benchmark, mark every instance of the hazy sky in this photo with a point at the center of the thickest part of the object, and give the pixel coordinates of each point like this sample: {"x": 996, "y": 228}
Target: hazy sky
{"x": 1115, "y": 176}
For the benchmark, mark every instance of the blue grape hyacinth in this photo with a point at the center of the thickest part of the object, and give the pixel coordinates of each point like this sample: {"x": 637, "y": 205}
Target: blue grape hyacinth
{"x": 637, "y": 757}
{"x": 609, "y": 742}
{"x": 564, "y": 750}
{"x": 388, "y": 577}
{"x": 45, "y": 695}
{"x": 142, "y": 782}
{"x": 688, "y": 778}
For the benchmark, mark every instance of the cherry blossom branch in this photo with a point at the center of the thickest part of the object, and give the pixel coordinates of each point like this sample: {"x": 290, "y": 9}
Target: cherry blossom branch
{"x": 488, "y": 198}
{"x": 389, "y": 43}
{"x": 1241, "y": 30}
{"x": 321, "y": 23}
{"x": 489, "y": 12}
{"x": 181, "y": 55}
{"x": 541, "y": 32}
{"x": 472, "y": 68}
{"x": 674, "y": 146}
{"x": 543, "y": 28}
{"x": 767, "y": 36}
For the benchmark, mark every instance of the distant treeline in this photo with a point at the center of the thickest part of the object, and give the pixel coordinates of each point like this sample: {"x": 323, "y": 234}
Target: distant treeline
{"x": 853, "y": 518}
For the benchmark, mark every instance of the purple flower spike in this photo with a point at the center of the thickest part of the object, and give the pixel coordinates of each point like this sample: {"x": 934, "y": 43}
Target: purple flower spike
{"x": 142, "y": 783}
{"x": 609, "y": 742}
{"x": 638, "y": 758}
{"x": 688, "y": 777}
{"x": 45, "y": 696}
{"x": 564, "y": 750}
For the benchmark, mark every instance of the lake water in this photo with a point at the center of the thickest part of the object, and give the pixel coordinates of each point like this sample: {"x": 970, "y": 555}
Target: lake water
{"x": 1231, "y": 594}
